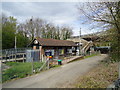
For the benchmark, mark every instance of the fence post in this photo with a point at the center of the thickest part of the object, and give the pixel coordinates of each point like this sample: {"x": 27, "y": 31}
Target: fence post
{"x": 15, "y": 55}
{"x": 119, "y": 69}
{"x": 23, "y": 58}
{"x": 9, "y": 55}
{"x": 12, "y": 55}
{"x": 32, "y": 65}
{"x": 45, "y": 58}
{"x": 6, "y": 54}
{"x": 42, "y": 58}
{"x": 48, "y": 63}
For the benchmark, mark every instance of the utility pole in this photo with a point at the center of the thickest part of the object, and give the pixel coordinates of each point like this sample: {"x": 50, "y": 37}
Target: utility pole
{"x": 15, "y": 45}
{"x": 80, "y": 32}
{"x": 80, "y": 42}
{"x": 15, "y": 41}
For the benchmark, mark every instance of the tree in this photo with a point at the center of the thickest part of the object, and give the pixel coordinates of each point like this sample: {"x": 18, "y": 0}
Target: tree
{"x": 32, "y": 27}
{"x": 37, "y": 27}
{"x": 57, "y": 33}
{"x": 66, "y": 32}
{"x": 107, "y": 13}
{"x": 22, "y": 41}
{"x": 8, "y": 32}
{"x": 9, "y": 29}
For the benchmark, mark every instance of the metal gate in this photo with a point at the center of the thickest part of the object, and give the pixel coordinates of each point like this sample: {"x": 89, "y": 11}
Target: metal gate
{"x": 32, "y": 55}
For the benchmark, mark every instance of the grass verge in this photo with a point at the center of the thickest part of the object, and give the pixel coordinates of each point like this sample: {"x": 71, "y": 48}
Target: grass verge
{"x": 19, "y": 70}
{"x": 91, "y": 55}
{"x": 100, "y": 77}
{"x": 83, "y": 57}
{"x": 54, "y": 66}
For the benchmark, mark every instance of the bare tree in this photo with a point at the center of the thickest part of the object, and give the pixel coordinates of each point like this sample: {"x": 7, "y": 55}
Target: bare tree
{"x": 66, "y": 32}
{"x": 36, "y": 27}
{"x": 32, "y": 27}
{"x": 107, "y": 13}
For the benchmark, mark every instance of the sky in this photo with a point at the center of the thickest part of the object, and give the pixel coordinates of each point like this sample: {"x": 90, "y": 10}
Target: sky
{"x": 59, "y": 13}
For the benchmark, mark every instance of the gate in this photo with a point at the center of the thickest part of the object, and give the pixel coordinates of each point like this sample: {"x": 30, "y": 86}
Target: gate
{"x": 32, "y": 55}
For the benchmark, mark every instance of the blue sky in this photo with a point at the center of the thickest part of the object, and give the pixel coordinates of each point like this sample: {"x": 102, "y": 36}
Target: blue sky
{"x": 59, "y": 13}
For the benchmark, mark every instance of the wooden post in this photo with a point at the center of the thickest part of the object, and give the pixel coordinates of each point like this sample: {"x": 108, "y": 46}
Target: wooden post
{"x": 57, "y": 53}
{"x": 23, "y": 58}
{"x": 48, "y": 63}
{"x": 42, "y": 58}
{"x": 34, "y": 47}
{"x": 119, "y": 69}
{"x": 6, "y": 54}
{"x": 15, "y": 55}
{"x": 12, "y": 54}
{"x": 40, "y": 47}
{"x": 45, "y": 58}
{"x": 32, "y": 63}
{"x": 9, "y": 55}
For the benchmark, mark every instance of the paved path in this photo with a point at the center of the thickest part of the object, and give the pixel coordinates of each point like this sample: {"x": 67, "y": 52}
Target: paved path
{"x": 57, "y": 77}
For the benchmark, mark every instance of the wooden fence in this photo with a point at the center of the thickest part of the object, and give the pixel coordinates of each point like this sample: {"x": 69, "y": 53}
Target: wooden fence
{"x": 18, "y": 54}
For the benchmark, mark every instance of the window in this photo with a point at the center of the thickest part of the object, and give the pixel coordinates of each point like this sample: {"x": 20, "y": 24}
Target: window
{"x": 61, "y": 51}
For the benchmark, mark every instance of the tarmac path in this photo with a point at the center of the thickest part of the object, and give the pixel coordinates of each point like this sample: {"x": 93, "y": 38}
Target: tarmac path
{"x": 57, "y": 77}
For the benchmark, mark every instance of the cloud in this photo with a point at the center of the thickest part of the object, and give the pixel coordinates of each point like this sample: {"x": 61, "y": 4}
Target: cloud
{"x": 59, "y": 13}
{"x": 42, "y": 10}
{"x": 60, "y": 0}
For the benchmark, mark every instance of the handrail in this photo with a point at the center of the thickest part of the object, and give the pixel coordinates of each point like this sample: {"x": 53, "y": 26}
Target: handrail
{"x": 86, "y": 47}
